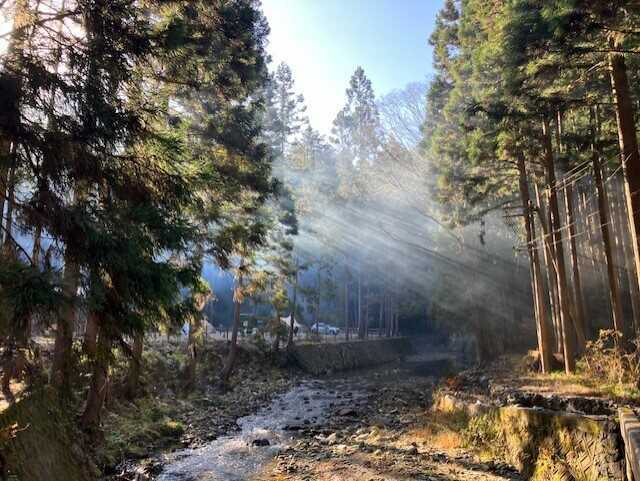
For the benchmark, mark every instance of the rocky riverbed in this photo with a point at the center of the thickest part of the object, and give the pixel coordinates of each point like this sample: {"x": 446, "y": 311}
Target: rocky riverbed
{"x": 141, "y": 437}
{"x": 388, "y": 435}
{"x": 371, "y": 425}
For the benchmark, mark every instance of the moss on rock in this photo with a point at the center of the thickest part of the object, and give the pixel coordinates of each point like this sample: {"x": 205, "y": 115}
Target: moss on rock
{"x": 43, "y": 445}
{"x": 138, "y": 429}
{"x": 542, "y": 444}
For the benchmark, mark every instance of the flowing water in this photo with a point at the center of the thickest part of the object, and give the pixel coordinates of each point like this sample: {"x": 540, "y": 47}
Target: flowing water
{"x": 241, "y": 454}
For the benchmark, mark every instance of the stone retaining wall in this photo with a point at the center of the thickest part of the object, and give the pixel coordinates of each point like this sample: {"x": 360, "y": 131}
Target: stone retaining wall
{"x": 546, "y": 444}
{"x": 340, "y": 356}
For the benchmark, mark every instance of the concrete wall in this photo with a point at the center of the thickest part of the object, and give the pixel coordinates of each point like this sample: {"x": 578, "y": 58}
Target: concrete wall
{"x": 340, "y": 356}
{"x": 546, "y": 444}
{"x": 630, "y": 430}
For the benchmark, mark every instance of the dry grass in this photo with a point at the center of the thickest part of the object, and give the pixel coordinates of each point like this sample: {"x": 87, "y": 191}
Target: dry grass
{"x": 558, "y": 383}
{"x": 440, "y": 430}
{"x": 511, "y": 373}
{"x": 446, "y": 440}
{"x": 579, "y": 384}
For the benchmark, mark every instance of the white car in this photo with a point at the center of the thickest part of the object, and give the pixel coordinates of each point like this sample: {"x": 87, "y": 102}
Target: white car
{"x": 322, "y": 328}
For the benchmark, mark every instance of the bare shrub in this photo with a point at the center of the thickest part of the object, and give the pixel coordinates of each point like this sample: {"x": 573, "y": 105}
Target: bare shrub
{"x": 605, "y": 359}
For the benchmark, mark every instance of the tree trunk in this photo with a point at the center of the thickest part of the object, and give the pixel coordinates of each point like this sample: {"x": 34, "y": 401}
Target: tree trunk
{"x": 588, "y": 262}
{"x": 605, "y": 220}
{"x": 381, "y": 313}
{"x": 589, "y": 230}
{"x": 35, "y": 257}
{"x": 540, "y": 306}
{"x": 37, "y": 245}
{"x": 385, "y": 314}
{"x": 275, "y": 345}
{"x": 135, "y": 367}
{"x": 292, "y": 323}
{"x": 8, "y": 366}
{"x": 396, "y": 323}
{"x": 90, "y": 342}
{"x": 4, "y": 174}
{"x": 61, "y": 369}
{"x": 99, "y": 384}
{"x": 578, "y": 298}
{"x": 552, "y": 278}
{"x": 629, "y": 267}
{"x": 233, "y": 347}
{"x": 366, "y": 312}
{"x": 346, "y": 306}
{"x": 194, "y": 343}
{"x": 556, "y": 234}
{"x": 360, "y": 320}
{"x": 388, "y": 316}
{"x": 628, "y": 141}
{"x": 318, "y": 297}
{"x": 616, "y": 246}
{"x": 11, "y": 196}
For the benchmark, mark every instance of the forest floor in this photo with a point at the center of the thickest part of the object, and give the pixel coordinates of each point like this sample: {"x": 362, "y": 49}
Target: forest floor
{"x": 511, "y": 379}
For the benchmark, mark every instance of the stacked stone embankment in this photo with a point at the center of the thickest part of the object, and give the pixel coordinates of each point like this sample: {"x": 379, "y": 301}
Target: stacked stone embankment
{"x": 545, "y": 444}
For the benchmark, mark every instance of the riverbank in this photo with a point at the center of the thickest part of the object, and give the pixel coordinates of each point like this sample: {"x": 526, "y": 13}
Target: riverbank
{"x": 361, "y": 425}
{"x": 166, "y": 418}
{"x": 549, "y": 426}
{"x": 389, "y": 434}
{"x": 269, "y": 411}
{"x": 137, "y": 434}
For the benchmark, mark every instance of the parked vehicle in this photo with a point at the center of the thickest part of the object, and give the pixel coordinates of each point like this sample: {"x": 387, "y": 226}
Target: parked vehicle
{"x": 322, "y": 328}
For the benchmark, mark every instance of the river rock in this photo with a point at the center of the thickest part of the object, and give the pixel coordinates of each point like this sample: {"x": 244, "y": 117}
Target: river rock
{"x": 347, "y": 412}
{"x": 260, "y": 442}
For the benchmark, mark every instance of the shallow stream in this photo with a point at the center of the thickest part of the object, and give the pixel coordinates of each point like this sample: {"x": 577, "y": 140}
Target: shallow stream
{"x": 239, "y": 455}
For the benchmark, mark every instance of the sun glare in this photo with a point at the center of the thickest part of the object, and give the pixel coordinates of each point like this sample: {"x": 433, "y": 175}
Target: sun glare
{"x": 5, "y": 28}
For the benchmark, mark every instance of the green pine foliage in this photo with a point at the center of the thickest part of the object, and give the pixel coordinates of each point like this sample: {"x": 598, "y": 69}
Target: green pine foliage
{"x": 136, "y": 145}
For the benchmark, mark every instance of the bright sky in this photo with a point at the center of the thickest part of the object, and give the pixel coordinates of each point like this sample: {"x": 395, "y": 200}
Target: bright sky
{"x": 325, "y": 40}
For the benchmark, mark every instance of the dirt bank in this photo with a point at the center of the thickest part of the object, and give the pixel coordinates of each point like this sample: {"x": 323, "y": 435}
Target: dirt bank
{"x": 39, "y": 441}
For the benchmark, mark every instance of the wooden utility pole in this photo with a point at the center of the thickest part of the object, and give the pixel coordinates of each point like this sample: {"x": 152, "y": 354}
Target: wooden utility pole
{"x": 540, "y": 306}
{"x": 578, "y": 298}
{"x": 552, "y": 278}
{"x": 605, "y": 220}
{"x": 568, "y": 346}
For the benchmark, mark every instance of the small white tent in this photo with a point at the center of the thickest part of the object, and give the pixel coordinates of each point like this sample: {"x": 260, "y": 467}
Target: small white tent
{"x": 287, "y": 322}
